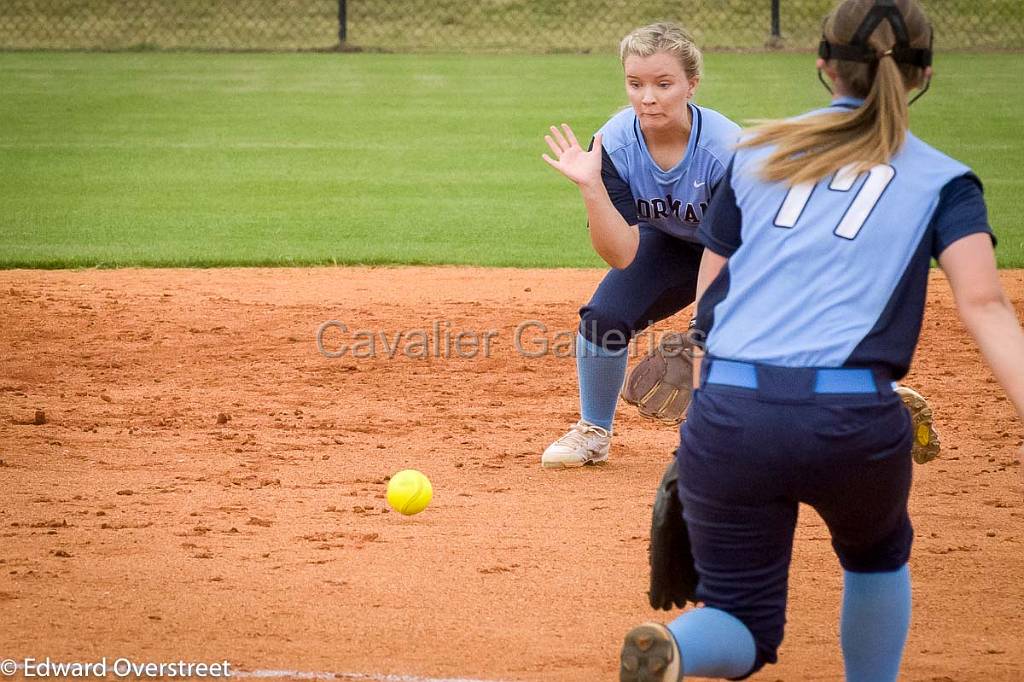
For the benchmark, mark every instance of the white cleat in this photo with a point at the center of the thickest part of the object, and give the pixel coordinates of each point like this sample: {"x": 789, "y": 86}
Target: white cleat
{"x": 585, "y": 443}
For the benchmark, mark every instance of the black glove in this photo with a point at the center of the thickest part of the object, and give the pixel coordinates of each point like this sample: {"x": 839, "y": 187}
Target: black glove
{"x": 673, "y": 576}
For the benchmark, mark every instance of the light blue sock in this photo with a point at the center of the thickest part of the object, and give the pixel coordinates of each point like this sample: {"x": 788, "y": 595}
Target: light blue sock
{"x": 713, "y": 643}
{"x": 601, "y": 373}
{"x": 874, "y": 624}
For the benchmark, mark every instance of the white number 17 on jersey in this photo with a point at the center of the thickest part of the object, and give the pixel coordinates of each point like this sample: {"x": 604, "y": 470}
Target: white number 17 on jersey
{"x": 863, "y": 204}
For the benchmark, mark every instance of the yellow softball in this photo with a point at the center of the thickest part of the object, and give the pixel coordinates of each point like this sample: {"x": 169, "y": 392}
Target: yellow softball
{"x": 409, "y": 492}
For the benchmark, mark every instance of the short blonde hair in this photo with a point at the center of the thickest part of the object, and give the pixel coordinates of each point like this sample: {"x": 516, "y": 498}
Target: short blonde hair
{"x": 667, "y": 37}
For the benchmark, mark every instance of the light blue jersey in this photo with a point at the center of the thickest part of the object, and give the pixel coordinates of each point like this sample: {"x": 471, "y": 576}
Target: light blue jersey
{"x": 835, "y": 273}
{"x": 672, "y": 201}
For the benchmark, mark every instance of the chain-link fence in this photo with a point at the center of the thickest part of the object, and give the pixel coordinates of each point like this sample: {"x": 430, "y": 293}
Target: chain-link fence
{"x": 457, "y": 25}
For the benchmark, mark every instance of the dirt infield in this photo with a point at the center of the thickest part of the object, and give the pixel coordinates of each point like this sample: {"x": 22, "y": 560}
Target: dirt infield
{"x": 204, "y": 484}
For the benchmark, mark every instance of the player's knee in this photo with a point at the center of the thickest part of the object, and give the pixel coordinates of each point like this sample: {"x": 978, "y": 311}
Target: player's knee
{"x": 889, "y": 553}
{"x": 603, "y": 330}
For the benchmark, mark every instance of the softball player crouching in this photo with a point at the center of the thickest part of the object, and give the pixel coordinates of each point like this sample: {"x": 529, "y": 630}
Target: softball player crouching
{"x": 646, "y": 183}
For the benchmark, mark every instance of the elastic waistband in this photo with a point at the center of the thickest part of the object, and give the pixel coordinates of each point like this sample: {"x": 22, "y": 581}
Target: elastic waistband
{"x": 793, "y": 382}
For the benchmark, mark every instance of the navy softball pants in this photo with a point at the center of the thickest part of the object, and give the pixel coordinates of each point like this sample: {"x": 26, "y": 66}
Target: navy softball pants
{"x": 748, "y": 456}
{"x": 661, "y": 281}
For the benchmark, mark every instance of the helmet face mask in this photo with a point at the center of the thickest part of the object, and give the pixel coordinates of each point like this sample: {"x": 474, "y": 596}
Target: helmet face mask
{"x": 859, "y": 49}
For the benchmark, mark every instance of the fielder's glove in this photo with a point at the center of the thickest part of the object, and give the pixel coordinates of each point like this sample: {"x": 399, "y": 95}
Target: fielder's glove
{"x": 673, "y": 576}
{"x": 662, "y": 384}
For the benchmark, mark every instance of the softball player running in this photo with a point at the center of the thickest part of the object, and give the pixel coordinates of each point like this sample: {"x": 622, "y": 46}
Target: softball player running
{"x": 811, "y": 293}
{"x": 646, "y": 182}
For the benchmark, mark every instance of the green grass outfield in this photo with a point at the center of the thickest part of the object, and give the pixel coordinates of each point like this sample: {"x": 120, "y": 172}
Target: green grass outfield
{"x": 156, "y": 159}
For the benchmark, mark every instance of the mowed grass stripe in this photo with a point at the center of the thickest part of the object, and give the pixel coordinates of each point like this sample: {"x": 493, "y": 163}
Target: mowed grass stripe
{"x": 283, "y": 159}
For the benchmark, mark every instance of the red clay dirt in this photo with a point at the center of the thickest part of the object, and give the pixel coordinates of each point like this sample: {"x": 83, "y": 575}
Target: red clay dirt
{"x": 206, "y": 485}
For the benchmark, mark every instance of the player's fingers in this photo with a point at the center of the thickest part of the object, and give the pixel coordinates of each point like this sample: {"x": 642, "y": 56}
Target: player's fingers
{"x": 571, "y": 136}
{"x": 551, "y": 162}
{"x": 554, "y": 147}
{"x": 597, "y": 140}
{"x": 557, "y": 134}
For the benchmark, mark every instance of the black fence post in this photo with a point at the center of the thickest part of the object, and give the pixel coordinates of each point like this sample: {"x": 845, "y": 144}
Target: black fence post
{"x": 342, "y": 24}
{"x": 775, "y": 39}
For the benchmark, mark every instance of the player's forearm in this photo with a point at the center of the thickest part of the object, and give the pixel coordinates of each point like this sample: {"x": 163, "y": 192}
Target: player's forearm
{"x": 615, "y": 240}
{"x": 994, "y": 326}
{"x": 711, "y": 265}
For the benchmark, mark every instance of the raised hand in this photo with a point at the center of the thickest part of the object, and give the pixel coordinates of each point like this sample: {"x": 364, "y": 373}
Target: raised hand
{"x": 571, "y": 160}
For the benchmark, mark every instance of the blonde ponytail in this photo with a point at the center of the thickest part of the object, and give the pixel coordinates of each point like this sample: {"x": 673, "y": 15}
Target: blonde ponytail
{"x": 811, "y": 148}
